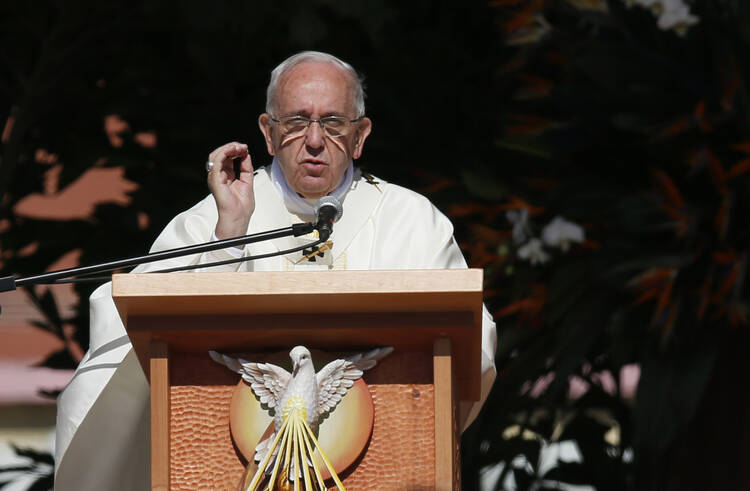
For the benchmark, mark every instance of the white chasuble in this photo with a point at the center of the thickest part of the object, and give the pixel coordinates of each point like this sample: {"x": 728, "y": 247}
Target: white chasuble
{"x": 103, "y": 415}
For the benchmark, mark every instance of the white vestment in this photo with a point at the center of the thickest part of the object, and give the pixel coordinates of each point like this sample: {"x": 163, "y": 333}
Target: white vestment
{"x": 103, "y": 414}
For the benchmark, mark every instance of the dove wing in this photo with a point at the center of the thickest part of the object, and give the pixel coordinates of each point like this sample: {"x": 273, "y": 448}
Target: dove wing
{"x": 368, "y": 360}
{"x": 267, "y": 380}
{"x": 334, "y": 380}
{"x": 337, "y": 377}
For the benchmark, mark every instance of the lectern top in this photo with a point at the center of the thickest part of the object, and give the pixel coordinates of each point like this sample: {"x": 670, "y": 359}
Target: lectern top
{"x": 303, "y": 292}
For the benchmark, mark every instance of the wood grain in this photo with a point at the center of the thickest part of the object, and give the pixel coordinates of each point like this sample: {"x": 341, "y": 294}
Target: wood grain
{"x": 159, "y": 367}
{"x": 400, "y": 454}
{"x": 445, "y": 417}
{"x": 304, "y": 283}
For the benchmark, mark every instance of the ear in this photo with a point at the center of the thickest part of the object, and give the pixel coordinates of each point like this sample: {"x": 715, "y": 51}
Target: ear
{"x": 264, "y": 122}
{"x": 364, "y": 127}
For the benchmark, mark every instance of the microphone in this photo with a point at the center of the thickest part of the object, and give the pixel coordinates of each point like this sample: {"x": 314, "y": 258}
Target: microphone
{"x": 328, "y": 210}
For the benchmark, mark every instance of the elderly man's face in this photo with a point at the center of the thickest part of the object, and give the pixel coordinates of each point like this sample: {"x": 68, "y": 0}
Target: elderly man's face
{"x": 313, "y": 162}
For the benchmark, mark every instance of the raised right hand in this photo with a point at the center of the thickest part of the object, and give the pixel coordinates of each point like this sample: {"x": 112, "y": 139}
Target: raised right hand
{"x": 234, "y": 195}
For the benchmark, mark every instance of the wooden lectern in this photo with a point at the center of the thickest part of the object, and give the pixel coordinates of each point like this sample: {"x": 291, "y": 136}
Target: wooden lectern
{"x": 432, "y": 319}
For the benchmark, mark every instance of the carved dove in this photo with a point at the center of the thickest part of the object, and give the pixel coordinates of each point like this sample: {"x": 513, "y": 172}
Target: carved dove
{"x": 304, "y": 392}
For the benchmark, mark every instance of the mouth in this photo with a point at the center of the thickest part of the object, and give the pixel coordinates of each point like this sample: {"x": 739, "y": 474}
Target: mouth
{"x": 314, "y": 167}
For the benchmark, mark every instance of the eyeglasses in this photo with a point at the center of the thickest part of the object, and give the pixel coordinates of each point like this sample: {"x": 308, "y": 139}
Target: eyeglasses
{"x": 333, "y": 126}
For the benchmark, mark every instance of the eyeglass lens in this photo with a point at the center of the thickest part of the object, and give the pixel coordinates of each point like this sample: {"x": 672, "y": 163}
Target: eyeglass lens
{"x": 333, "y": 126}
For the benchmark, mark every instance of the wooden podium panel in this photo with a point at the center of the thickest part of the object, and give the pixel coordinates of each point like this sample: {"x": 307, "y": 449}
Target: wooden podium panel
{"x": 400, "y": 453}
{"x": 429, "y": 317}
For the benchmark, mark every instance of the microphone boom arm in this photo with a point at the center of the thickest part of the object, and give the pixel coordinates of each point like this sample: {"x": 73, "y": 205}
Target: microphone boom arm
{"x": 9, "y": 283}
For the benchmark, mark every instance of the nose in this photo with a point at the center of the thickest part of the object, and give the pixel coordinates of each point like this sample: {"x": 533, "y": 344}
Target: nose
{"x": 315, "y": 135}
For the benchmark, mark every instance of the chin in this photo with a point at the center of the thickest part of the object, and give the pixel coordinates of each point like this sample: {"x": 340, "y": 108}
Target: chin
{"x": 313, "y": 192}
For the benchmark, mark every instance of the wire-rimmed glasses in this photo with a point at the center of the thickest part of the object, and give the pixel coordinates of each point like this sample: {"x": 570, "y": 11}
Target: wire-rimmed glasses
{"x": 333, "y": 126}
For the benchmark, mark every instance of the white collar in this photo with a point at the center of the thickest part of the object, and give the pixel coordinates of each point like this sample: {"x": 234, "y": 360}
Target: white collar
{"x": 297, "y": 204}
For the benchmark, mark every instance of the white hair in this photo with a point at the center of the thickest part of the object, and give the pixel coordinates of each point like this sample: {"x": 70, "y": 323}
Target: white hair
{"x": 358, "y": 91}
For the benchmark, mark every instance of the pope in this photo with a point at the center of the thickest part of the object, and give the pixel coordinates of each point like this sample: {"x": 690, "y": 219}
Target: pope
{"x": 314, "y": 126}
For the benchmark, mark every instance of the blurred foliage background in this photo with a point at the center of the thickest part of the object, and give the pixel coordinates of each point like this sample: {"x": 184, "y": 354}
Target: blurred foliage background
{"x": 593, "y": 155}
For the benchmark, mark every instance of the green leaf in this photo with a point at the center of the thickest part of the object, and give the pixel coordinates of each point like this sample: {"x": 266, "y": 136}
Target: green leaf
{"x": 569, "y": 473}
{"x": 669, "y": 392}
{"x": 524, "y": 480}
{"x": 483, "y": 184}
{"x": 34, "y": 455}
{"x": 528, "y": 145}
{"x": 49, "y": 307}
{"x": 43, "y": 325}
{"x": 43, "y": 483}
{"x": 60, "y": 360}
{"x": 566, "y": 287}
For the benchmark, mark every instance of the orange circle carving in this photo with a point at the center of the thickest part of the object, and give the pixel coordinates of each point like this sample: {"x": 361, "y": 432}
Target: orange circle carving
{"x": 343, "y": 435}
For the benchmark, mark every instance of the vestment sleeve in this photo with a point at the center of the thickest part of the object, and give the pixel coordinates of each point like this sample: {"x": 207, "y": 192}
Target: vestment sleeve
{"x": 194, "y": 226}
{"x": 414, "y": 234}
{"x": 109, "y": 385}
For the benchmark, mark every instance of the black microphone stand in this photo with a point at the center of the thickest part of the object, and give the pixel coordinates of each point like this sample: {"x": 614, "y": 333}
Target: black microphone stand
{"x": 9, "y": 283}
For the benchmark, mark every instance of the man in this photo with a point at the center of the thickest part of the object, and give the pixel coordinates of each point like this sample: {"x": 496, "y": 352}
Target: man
{"x": 314, "y": 127}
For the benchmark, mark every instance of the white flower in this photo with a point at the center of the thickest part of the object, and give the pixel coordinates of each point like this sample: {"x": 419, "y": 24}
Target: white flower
{"x": 560, "y": 233}
{"x": 520, "y": 221}
{"x": 676, "y": 15}
{"x": 672, "y": 14}
{"x": 533, "y": 252}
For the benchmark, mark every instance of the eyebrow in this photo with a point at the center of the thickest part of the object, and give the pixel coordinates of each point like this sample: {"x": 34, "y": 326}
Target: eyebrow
{"x": 306, "y": 114}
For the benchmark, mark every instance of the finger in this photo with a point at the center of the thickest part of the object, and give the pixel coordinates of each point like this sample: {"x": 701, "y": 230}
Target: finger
{"x": 220, "y": 173}
{"x": 227, "y": 152}
{"x": 223, "y": 168}
{"x": 233, "y": 148}
{"x": 246, "y": 169}
{"x": 236, "y": 150}
{"x": 214, "y": 178}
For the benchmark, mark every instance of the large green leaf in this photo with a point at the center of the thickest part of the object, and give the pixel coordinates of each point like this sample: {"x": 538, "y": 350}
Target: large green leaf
{"x": 669, "y": 392}
{"x": 483, "y": 184}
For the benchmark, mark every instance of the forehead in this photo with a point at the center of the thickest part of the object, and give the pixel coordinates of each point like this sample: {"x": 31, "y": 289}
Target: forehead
{"x": 315, "y": 87}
